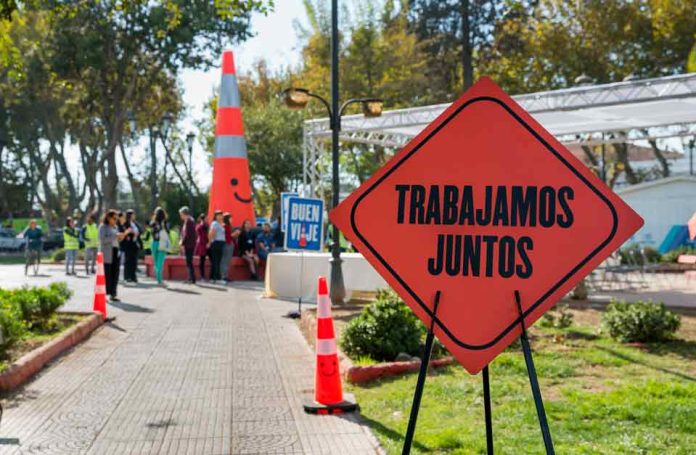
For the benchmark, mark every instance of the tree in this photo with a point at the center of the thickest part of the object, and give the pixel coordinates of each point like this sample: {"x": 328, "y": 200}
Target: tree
{"x": 117, "y": 50}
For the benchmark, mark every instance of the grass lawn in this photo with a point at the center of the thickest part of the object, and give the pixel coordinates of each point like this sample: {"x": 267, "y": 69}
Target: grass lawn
{"x": 600, "y": 396}
{"x": 12, "y": 259}
{"x": 36, "y": 338}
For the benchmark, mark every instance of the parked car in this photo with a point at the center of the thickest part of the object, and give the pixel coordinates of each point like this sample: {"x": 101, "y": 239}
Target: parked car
{"x": 53, "y": 240}
{"x": 10, "y": 242}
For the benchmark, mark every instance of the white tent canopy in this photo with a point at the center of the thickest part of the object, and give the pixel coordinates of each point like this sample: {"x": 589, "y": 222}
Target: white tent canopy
{"x": 618, "y": 112}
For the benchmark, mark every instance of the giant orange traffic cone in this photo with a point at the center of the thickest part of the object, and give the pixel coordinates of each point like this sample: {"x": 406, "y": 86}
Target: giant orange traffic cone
{"x": 231, "y": 189}
{"x": 328, "y": 392}
{"x": 100, "y": 288}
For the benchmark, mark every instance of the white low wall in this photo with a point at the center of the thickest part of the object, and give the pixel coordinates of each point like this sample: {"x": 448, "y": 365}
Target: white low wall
{"x": 290, "y": 274}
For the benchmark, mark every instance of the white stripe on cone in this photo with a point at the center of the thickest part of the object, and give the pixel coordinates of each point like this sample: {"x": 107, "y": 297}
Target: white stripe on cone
{"x": 100, "y": 268}
{"x": 323, "y": 307}
{"x": 326, "y": 347}
{"x": 100, "y": 289}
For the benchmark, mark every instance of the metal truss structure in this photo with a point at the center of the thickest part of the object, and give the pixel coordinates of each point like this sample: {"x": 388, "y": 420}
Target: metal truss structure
{"x": 591, "y": 115}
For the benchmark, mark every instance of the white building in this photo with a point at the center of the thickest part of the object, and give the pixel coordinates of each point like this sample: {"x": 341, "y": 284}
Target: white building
{"x": 662, "y": 204}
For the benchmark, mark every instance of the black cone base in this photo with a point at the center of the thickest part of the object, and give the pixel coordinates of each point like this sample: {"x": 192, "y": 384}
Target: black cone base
{"x": 347, "y": 405}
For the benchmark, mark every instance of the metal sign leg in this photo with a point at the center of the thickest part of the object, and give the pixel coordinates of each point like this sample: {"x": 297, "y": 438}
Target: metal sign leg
{"x": 422, "y": 373}
{"x": 487, "y": 410}
{"x": 534, "y": 382}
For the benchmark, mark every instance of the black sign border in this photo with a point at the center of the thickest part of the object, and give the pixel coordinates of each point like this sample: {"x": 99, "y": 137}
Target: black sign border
{"x": 516, "y": 322}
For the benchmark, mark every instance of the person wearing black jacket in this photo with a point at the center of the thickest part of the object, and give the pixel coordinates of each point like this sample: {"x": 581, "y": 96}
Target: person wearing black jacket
{"x": 129, "y": 247}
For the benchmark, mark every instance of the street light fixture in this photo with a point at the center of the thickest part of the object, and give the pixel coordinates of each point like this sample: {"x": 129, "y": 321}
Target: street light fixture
{"x": 298, "y": 98}
{"x": 166, "y": 124}
{"x": 189, "y": 140}
{"x": 132, "y": 125}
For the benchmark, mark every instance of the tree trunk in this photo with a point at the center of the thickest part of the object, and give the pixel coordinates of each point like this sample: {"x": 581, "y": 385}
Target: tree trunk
{"x": 621, "y": 149}
{"x": 131, "y": 179}
{"x": 153, "y": 172}
{"x": 664, "y": 164}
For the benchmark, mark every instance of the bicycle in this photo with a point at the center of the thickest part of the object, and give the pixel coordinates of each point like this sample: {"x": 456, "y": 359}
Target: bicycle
{"x": 33, "y": 261}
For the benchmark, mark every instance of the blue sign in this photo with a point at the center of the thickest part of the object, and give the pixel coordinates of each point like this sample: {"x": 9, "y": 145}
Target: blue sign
{"x": 284, "y": 199}
{"x": 305, "y": 224}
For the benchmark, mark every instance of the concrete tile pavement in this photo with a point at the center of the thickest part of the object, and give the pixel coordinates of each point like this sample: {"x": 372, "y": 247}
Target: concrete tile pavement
{"x": 185, "y": 370}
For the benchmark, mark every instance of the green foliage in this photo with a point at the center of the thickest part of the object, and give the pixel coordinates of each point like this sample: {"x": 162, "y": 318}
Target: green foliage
{"x": 559, "y": 317}
{"x": 38, "y": 305}
{"x": 384, "y": 328}
{"x": 635, "y": 254}
{"x": 673, "y": 255}
{"x": 12, "y": 324}
{"x": 640, "y": 321}
{"x": 25, "y": 309}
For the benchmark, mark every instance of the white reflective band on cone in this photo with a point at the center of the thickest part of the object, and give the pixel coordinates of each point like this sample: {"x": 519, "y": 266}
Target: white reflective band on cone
{"x": 326, "y": 347}
{"x": 100, "y": 269}
{"x": 323, "y": 307}
{"x": 100, "y": 289}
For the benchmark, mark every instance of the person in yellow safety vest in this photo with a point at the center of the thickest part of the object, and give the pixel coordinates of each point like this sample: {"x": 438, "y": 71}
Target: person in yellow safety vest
{"x": 71, "y": 243}
{"x": 146, "y": 238}
{"x": 344, "y": 244}
{"x": 90, "y": 237}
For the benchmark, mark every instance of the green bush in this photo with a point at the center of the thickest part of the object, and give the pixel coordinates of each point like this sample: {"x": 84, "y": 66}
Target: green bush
{"x": 673, "y": 255}
{"x": 558, "y": 317}
{"x": 634, "y": 254}
{"x": 11, "y": 322}
{"x": 37, "y": 306}
{"x": 640, "y": 321}
{"x": 383, "y": 329}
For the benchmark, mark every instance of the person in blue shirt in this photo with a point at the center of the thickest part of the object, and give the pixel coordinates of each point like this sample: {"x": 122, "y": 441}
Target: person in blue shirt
{"x": 264, "y": 242}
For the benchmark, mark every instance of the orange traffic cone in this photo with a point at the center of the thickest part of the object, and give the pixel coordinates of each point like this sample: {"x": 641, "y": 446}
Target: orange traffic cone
{"x": 303, "y": 238}
{"x": 100, "y": 287}
{"x": 231, "y": 189}
{"x": 328, "y": 392}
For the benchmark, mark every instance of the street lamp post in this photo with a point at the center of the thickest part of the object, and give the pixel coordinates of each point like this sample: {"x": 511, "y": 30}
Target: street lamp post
{"x": 297, "y": 98}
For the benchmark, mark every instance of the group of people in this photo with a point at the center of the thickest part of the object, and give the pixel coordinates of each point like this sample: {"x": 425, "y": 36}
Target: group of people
{"x": 121, "y": 239}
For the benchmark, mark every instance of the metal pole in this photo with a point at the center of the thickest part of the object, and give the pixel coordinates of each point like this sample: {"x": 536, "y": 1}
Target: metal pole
{"x": 534, "y": 382}
{"x": 487, "y": 410}
{"x": 420, "y": 383}
{"x": 338, "y": 290}
{"x": 692, "y": 144}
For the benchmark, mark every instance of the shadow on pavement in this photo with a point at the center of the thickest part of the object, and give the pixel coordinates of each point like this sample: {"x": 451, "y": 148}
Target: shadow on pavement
{"x": 212, "y": 287}
{"x": 131, "y": 308}
{"x": 110, "y": 324}
{"x": 377, "y": 427}
{"x": 183, "y": 291}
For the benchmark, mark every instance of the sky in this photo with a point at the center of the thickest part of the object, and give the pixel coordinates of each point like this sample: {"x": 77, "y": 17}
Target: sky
{"x": 275, "y": 41}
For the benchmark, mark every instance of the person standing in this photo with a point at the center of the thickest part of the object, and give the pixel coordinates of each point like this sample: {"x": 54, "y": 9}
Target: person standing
{"x": 216, "y": 244}
{"x": 187, "y": 241}
{"x": 228, "y": 249}
{"x": 71, "y": 244}
{"x": 109, "y": 236}
{"x": 33, "y": 236}
{"x": 247, "y": 248}
{"x": 129, "y": 246}
{"x": 90, "y": 236}
{"x": 160, "y": 241}
{"x": 201, "y": 243}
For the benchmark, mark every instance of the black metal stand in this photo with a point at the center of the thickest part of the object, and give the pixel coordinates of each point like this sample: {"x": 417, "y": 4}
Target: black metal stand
{"x": 533, "y": 381}
{"x": 487, "y": 410}
{"x": 421, "y": 380}
{"x": 298, "y": 314}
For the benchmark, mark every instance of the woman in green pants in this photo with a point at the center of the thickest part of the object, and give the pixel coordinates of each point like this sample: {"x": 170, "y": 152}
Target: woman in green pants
{"x": 160, "y": 241}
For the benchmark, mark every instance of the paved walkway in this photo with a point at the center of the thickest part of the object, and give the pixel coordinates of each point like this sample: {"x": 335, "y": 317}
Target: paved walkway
{"x": 184, "y": 370}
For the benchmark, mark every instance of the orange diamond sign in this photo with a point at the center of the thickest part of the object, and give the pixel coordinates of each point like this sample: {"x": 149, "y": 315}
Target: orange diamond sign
{"x": 482, "y": 203}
